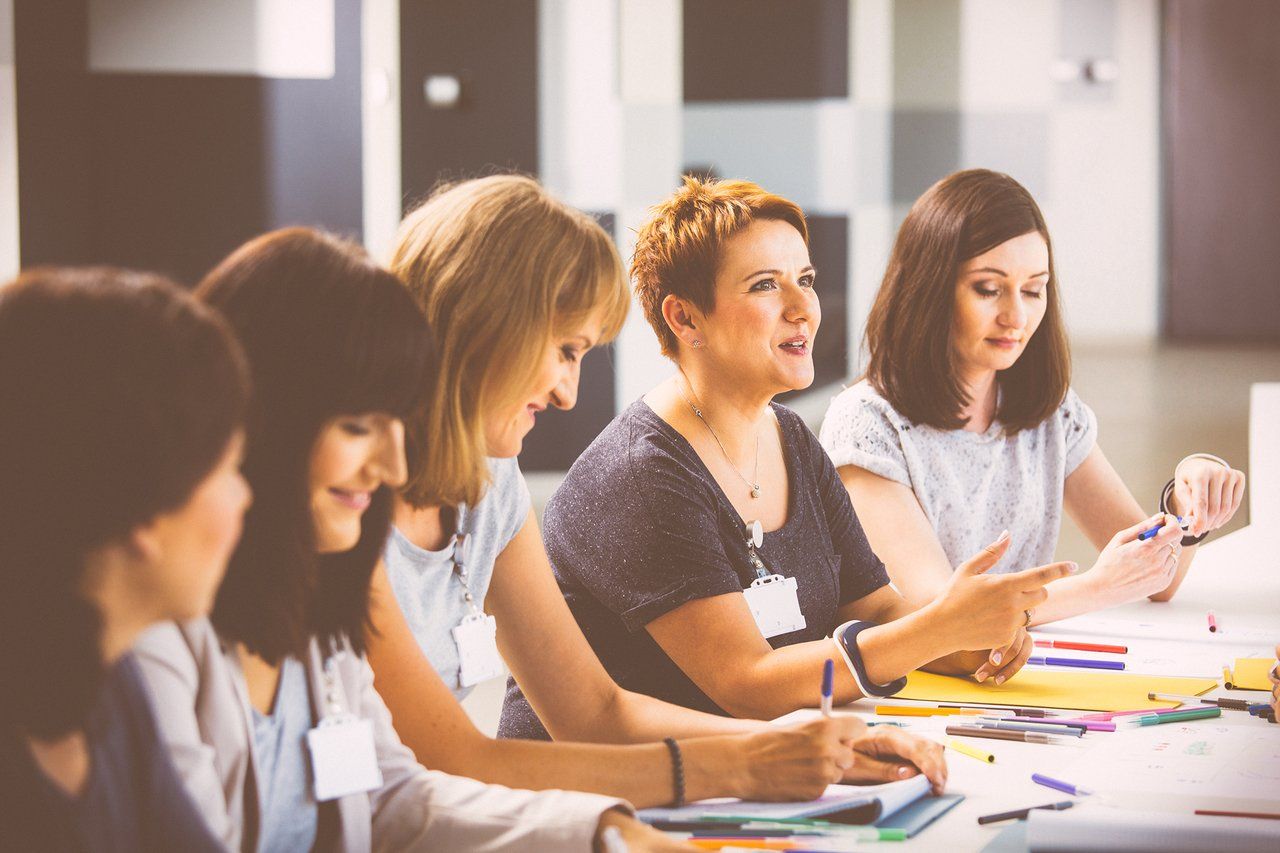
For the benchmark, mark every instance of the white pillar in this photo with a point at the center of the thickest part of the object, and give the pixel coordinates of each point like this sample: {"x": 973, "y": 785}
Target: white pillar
{"x": 380, "y": 123}
{"x": 9, "y": 258}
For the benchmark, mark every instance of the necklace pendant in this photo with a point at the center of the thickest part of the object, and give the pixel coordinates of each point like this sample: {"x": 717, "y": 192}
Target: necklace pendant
{"x": 755, "y": 491}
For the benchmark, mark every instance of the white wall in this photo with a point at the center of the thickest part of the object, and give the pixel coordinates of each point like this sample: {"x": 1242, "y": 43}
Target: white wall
{"x": 8, "y": 148}
{"x": 268, "y": 38}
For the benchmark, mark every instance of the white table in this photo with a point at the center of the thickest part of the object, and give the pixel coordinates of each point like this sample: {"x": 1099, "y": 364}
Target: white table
{"x": 1237, "y": 576}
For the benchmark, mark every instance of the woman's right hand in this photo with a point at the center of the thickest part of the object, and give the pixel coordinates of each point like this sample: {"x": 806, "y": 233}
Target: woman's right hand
{"x": 985, "y": 611}
{"x": 1129, "y": 569}
{"x": 797, "y": 762}
{"x": 636, "y": 837}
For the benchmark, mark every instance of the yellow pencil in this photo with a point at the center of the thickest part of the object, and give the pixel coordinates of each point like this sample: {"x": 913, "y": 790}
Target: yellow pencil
{"x": 1226, "y": 676}
{"x": 971, "y": 751}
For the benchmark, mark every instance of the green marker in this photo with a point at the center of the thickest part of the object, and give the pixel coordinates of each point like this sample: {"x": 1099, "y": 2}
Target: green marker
{"x": 1174, "y": 717}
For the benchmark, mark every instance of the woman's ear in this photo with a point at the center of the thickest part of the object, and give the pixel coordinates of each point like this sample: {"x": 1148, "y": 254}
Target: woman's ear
{"x": 144, "y": 542}
{"x": 682, "y": 319}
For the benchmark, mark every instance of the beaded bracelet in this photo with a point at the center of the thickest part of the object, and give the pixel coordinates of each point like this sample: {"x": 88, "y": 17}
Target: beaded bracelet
{"x": 677, "y": 771}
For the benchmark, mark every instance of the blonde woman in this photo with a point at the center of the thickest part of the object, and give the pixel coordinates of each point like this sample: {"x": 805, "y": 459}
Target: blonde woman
{"x": 517, "y": 288}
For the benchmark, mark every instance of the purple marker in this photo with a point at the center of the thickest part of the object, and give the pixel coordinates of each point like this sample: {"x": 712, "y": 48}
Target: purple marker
{"x": 1059, "y": 785}
{"x": 828, "y": 685}
{"x": 1076, "y": 662}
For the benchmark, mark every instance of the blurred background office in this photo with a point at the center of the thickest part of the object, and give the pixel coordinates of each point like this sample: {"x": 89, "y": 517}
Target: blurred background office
{"x": 161, "y": 133}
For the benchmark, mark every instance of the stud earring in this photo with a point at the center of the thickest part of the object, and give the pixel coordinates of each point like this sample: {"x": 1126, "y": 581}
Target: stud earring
{"x": 697, "y": 344}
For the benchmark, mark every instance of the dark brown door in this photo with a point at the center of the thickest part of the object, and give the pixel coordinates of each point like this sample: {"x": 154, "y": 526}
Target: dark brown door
{"x": 1222, "y": 160}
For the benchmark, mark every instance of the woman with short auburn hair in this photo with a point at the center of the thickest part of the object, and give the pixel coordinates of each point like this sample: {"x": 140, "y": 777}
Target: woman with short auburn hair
{"x": 120, "y": 441}
{"x": 703, "y": 541}
{"x": 518, "y": 287}
{"x": 966, "y": 424}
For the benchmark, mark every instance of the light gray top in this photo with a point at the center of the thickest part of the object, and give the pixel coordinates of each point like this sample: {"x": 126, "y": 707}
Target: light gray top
{"x": 970, "y": 485}
{"x": 430, "y": 592}
{"x": 290, "y": 814}
{"x": 204, "y": 717}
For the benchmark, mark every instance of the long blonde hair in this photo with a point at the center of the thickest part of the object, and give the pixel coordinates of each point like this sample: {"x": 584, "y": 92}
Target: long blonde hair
{"x": 499, "y": 267}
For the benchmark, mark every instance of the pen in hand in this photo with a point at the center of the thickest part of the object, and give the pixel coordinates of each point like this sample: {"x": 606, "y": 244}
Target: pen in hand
{"x": 828, "y": 679}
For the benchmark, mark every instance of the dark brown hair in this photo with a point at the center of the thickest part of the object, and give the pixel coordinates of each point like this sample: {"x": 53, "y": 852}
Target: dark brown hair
{"x": 909, "y": 329}
{"x": 678, "y": 247}
{"x": 328, "y": 333}
{"x": 120, "y": 394}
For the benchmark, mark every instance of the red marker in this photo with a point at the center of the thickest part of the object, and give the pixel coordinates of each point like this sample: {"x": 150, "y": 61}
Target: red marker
{"x": 1082, "y": 647}
{"x": 1213, "y": 623}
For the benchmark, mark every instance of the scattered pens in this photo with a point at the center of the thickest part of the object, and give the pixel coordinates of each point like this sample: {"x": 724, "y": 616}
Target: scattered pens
{"x": 1076, "y": 662}
{"x": 1015, "y": 726}
{"x": 1000, "y": 734}
{"x": 1074, "y": 646}
{"x": 1213, "y": 623}
{"x": 1151, "y": 532}
{"x": 1059, "y": 785}
{"x": 1021, "y": 814}
{"x": 828, "y": 683}
{"x": 1233, "y": 704}
{"x": 971, "y": 751}
{"x": 1177, "y": 717}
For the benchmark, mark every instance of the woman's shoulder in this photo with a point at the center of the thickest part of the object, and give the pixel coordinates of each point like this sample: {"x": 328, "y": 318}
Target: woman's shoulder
{"x": 862, "y": 400}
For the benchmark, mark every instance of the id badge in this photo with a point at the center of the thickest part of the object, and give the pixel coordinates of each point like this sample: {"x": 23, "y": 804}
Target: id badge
{"x": 344, "y": 759}
{"x": 477, "y": 640}
{"x": 775, "y": 604}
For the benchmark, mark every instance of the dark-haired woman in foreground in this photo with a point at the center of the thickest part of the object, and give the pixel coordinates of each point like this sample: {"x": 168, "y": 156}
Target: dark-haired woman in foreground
{"x": 966, "y": 424}
{"x": 120, "y": 436}
{"x": 271, "y": 709}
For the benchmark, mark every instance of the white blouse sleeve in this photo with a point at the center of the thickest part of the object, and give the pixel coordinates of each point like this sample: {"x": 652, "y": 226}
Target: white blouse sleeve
{"x": 859, "y": 430}
{"x": 1079, "y": 429}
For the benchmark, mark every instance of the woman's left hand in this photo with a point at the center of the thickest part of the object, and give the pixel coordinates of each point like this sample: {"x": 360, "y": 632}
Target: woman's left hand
{"x": 888, "y": 754}
{"x": 1002, "y": 663}
{"x": 1207, "y": 493}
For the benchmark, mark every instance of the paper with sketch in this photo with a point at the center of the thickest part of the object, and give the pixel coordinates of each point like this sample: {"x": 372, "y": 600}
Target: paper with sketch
{"x": 1102, "y": 830}
{"x": 1048, "y": 688}
{"x": 1206, "y": 764}
{"x": 880, "y": 799}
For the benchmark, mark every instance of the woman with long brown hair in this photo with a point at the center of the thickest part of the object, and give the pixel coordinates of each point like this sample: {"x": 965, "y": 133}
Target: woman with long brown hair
{"x": 966, "y": 423}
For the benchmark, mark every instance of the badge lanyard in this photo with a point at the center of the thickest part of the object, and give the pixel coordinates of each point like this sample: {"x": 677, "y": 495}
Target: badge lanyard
{"x": 476, "y": 636}
{"x": 774, "y": 600}
{"x": 344, "y": 757}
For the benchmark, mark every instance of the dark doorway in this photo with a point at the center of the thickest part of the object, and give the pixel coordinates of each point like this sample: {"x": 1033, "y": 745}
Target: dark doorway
{"x": 1222, "y": 175}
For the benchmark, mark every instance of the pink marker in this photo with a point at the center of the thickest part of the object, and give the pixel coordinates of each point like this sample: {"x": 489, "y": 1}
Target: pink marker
{"x": 1213, "y": 623}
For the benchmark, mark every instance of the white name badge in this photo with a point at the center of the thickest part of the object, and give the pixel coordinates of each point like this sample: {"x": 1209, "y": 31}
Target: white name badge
{"x": 477, "y": 641}
{"x": 775, "y": 604}
{"x": 343, "y": 758}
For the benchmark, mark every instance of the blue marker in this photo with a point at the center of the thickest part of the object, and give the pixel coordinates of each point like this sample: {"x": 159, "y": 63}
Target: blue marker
{"x": 1147, "y": 534}
{"x": 1076, "y": 662}
{"x": 828, "y": 683}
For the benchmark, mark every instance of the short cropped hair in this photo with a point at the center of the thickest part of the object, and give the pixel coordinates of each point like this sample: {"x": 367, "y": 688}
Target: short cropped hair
{"x": 121, "y": 394}
{"x": 328, "y": 333}
{"x": 500, "y": 266}
{"x": 909, "y": 329}
{"x": 678, "y": 247}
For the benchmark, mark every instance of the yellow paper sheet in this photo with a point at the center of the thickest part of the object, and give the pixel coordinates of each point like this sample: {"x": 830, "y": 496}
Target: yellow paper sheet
{"x": 1251, "y": 674}
{"x": 1038, "y": 688}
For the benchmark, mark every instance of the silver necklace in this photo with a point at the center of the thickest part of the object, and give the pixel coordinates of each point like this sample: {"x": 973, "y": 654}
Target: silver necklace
{"x": 754, "y": 486}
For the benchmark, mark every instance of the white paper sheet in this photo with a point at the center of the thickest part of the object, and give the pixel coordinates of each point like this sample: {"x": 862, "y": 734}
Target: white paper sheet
{"x": 1105, "y": 830}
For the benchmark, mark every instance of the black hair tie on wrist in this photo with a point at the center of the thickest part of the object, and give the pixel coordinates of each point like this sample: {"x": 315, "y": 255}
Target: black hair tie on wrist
{"x": 677, "y": 771}
{"x": 1165, "y": 493}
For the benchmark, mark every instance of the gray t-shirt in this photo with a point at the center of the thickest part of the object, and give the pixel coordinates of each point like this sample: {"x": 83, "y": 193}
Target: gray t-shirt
{"x": 970, "y": 485}
{"x": 426, "y": 586}
{"x": 290, "y": 813}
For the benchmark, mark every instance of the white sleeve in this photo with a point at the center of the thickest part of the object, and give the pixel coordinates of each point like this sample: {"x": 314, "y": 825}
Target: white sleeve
{"x": 173, "y": 681}
{"x": 419, "y": 809}
{"x": 1080, "y": 429}
{"x": 858, "y": 430}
